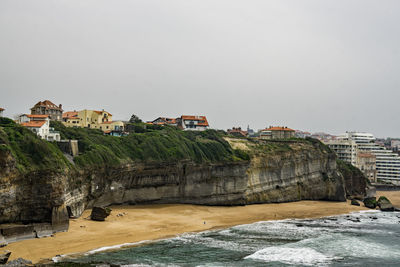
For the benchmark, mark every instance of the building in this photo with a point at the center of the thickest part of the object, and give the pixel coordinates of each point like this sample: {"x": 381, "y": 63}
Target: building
{"x": 192, "y": 123}
{"x": 387, "y": 162}
{"x": 346, "y": 150}
{"x": 164, "y": 121}
{"x": 276, "y": 133}
{"x": 94, "y": 119}
{"x": 40, "y": 125}
{"x": 47, "y": 107}
{"x": 238, "y": 132}
{"x": 366, "y": 162}
{"x": 1, "y": 112}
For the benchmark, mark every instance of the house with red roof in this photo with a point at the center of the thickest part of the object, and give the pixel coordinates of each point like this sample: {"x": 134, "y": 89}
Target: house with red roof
{"x": 277, "y": 132}
{"x": 238, "y": 132}
{"x": 192, "y": 123}
{"x": 164, "y": 121}
{"x": 40, "y": 125}
{"x": 1, "y": 112}
{"x": 47, "y": 107}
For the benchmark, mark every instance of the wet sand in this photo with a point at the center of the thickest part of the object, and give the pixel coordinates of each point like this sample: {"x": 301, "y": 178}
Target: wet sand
{"x": 128, "y": 224}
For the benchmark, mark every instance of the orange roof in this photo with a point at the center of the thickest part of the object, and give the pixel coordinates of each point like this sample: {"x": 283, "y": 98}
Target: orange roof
{"x": 1, "y": 109}
{"x": 69, "y": 114}
{"x": 196, "y": 118}
{"x": 277, "y": 128}
{"x": 107, "y": 122}
{"x": 37, "y": 116}
{"x": 101, "y": 112}
{"x": 34, "y": 124}
{"x": 164, "y": 121}
{"x": 47, "y": 104}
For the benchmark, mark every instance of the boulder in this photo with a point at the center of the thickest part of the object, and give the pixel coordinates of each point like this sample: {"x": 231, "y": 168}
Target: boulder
{"x": 355, "y": 202}
{"x": 4, "y": 257}
{"x": 370, "y": 202}
{"x": 100, "y": 213}
{"x": 385, "y": 204}
{"x": 19, "y": 262}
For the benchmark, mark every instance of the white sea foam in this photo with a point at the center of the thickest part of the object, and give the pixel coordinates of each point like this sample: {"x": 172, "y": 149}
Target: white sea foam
{"x": 102, "y": 249}
{"x": 59, "y": 258}
{"x": 305, "y": 256}
{"x": 200, "y": 239}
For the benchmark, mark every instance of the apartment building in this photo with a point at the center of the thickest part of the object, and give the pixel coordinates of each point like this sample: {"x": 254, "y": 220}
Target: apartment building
{"x": 387, "y": 162}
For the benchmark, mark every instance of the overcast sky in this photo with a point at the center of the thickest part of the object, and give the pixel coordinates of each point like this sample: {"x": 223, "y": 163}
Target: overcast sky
{"x": 311, "y": 65}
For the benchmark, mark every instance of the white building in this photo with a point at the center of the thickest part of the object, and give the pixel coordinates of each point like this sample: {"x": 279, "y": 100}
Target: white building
{"x": 39, "y": 124}
{"x": 192, "y": 123}
{"x": 387, "y": 162}
{"x": 1, "y": 112}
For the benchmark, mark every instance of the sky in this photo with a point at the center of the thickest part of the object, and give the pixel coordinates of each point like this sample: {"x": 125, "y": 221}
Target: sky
{"x": 320, "y": 66}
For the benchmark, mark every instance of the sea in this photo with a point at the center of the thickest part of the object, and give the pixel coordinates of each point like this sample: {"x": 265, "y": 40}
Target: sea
{"x": 367, "y": 238}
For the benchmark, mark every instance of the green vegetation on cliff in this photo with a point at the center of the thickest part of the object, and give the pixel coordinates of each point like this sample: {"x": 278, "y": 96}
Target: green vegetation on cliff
{"x": 31, "y": 152}
{"x": 149, "y": 144}
{"x": 145, "y": 143}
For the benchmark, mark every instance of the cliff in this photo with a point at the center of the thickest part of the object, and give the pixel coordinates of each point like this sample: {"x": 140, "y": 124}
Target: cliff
{"x": 298, "y": 170}
{"x": 38, "y": 194}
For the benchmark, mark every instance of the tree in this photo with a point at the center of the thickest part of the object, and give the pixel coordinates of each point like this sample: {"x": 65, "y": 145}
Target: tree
{"x": 135, "y": 119}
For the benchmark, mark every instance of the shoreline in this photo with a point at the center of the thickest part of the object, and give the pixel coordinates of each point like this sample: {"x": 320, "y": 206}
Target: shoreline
{"x": 141, "y": 224}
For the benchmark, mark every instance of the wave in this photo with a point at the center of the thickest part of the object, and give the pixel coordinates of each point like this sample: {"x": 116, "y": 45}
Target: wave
{"x": 304, "y": 256}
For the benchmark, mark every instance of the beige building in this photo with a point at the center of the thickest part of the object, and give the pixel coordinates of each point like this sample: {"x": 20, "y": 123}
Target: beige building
{"x": 366, "y": 162}
{"x": 345, "y": 150}
{"x": 47, "y": 107}
{"x": 277, "y": 133}
{"x": 94, "y": 119}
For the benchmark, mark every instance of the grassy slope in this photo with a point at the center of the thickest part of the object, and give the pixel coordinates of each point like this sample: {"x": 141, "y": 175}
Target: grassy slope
{"x": 31, "y": 152}
{"x": 149, "y": 144}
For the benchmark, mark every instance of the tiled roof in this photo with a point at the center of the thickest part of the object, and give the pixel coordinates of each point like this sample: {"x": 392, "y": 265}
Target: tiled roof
{"x": 163, "y": 121}
{"x": 70, "y": 115}
{"x": 276, "y": 128}
{"x": 196, "y": 118}
{"x": 101, "y": 112}
{"x": 37, "y": 116}
{"x": 34, "y": 124}
{"x": 47, "y": 104}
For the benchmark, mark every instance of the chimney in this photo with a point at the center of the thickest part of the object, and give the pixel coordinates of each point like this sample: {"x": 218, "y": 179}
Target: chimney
{"x": 60, "y": 106}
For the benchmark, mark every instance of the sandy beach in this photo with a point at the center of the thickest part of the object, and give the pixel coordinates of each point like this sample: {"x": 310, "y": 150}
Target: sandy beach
{"x": 129, "y": 224}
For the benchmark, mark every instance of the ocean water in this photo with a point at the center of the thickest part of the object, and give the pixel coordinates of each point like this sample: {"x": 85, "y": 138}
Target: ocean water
{"x": 369, "y": 238}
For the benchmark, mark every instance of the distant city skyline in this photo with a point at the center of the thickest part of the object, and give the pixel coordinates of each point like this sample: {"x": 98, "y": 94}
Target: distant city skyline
{"x": 310, "y": 65}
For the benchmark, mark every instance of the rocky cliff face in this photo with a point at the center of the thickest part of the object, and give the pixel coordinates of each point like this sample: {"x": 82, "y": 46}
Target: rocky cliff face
{"x": 304, "y": 171}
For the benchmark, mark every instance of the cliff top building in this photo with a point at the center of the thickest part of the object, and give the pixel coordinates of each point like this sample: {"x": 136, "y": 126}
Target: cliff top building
{"x": 95, "y": 119}
{"x": 237, "y": 131}
{"x": 1, "y": 112}
{"x": 40, "y": 125}
{"x": 192, "y": 123}
{"x": 164, "y": 121}
{"x": 277, "y": 132}
{"x": 47, "y": 107}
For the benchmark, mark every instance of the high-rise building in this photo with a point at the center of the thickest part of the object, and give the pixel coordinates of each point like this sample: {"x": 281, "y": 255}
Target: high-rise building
{"x": 387, "y": 162}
